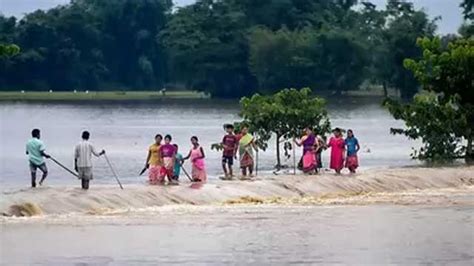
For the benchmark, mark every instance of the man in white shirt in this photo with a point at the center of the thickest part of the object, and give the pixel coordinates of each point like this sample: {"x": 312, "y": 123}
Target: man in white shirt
{"x": 83, "y": 159}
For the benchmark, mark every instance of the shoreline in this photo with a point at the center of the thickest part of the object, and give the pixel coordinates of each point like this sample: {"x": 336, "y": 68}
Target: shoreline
{"x": 288, "y": 189}
{"x": 83, "y": 96}
{"x": 97, "y": 96}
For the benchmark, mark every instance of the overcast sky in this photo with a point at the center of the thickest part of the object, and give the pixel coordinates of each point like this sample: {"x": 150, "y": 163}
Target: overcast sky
{"x": 448, "y": 9}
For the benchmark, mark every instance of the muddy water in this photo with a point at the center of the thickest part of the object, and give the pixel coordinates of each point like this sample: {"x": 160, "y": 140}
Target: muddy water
{"x": 400, "y": 216}
{"x": 126, "y": 130}
{"x": 249, "y": 235}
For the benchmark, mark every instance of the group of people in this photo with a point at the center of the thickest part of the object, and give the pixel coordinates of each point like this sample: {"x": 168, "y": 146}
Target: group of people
{"x": 343, "y": 151}
{"x": 36, "y": 151}
{"x": 164, "y": 162}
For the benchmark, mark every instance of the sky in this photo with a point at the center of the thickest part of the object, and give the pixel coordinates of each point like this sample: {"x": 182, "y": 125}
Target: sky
{"x": 448, "y": 9}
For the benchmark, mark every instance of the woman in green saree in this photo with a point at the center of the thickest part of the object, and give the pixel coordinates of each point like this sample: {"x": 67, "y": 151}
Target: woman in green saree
{"x": 246, "y": 152}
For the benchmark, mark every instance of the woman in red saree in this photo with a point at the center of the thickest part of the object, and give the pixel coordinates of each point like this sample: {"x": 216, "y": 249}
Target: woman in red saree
{"x": 337, "y": 145}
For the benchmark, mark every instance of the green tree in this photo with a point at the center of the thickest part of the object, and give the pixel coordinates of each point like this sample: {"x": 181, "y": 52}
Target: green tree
{"x": 404, "y": 26}
{"x": 467, "y": 5}
{"x": 284, "y": 114}
{"x": 447, "y": 115}
{"x": 207, "y": 48}
{"x": 8, "y": 50}
{"x": 432, "y": 120}
{"x": 332, "y": 60}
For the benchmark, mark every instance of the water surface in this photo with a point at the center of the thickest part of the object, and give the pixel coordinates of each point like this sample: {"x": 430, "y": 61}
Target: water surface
{"x": 126, "y": 130}
{"x": 253, "y": 235}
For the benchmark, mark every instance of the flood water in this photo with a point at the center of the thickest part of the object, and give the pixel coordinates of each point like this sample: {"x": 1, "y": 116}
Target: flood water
{"x": 255, "y": 235}
{"x": 433, "y": 227}
{"x": 126, "y": 130}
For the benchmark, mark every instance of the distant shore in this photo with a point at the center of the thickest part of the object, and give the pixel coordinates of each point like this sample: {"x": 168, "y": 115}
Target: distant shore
{"x": 71, "y": 96}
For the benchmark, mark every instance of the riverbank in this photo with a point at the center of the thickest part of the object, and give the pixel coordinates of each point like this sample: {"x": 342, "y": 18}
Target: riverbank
{"x": 92, "y": 96}
{"x": 314, "y": 190}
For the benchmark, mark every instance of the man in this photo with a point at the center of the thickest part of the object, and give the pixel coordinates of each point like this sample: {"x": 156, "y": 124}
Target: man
{"x": 35, "y": 150}
{"x": 83, "y": 159}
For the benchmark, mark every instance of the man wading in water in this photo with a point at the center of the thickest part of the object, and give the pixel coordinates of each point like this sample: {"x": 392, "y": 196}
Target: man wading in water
{"x": 83, "y": 159}
{"x": 35, "y": 150}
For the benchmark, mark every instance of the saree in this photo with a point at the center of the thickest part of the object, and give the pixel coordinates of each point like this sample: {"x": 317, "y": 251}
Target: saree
{"x": 337, "y": 153}
{"x": 352, "y": 162}
{"x": 198, "y": 171}
{"x": 246, "y": 151}
{"x": 309, "y": 161}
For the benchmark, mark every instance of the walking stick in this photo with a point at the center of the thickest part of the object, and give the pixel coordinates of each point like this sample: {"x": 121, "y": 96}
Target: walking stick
{"x": 186, "y": 173}
{"x": 294, "y": 159}
{"x": 256, "y": 163}
{"x": 64, "y": 167}
{"x": 113, "y": 171}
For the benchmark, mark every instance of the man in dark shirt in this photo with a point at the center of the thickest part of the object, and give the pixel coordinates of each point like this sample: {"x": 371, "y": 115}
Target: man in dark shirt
{"x": 229, "y": 143}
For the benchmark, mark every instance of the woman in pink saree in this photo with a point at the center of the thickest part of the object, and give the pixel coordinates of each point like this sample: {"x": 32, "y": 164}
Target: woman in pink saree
{"x": 337, "y": 145}
{"x": 196, "y": 154}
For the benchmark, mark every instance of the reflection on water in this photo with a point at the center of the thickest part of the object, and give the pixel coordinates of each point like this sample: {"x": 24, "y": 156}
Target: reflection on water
{"x": 126, "y": 130}
{"x": 255, "y": 235}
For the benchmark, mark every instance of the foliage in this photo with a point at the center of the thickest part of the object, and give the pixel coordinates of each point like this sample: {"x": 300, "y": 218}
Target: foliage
{"x": 441, "y": 121}
{"x": 87, "y": 44}
{"x": 228, "y": 48}
{"x": 434, "y": 122}
{"x": 284, "y": 114}
{"x": 467, "y": 5}
{"x": 332, "y": 60}
{"x": 404, "y": 26}
{"x": 207, "y": 48}
{"x": 7, "y": 50}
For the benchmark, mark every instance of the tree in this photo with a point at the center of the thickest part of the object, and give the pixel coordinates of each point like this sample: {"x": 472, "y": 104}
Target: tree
{"x": 8, "y": 50}
{"x": 445, "y": 117}
{"x": 404, "y": 26}
{"x": 333, "y": 60}
{"x": 207, "y": 48}
{"x": 284, "y": 114}
{"x": 432, "y": 120}
{"x": 467, "y": 5}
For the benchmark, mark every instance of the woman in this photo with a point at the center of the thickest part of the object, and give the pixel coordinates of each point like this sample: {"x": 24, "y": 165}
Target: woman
{"x": 353, "y": 147}
{"x": 246, "y": 146}
{"x": 153, "y": 160}
{"x": 168, "y": 154}
{"x": 337, "y": 145}
{"x": 310, "y": 145}
{"x": 196, "y": 154}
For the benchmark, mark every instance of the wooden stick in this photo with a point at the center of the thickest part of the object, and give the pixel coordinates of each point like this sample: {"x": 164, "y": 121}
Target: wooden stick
{"x": 64, "y": 167}
{"x": 294, "y": 158}
{"x": 256, "y": 163}
{"x": 113, "y": 171}
{"x": 186, "y": 173}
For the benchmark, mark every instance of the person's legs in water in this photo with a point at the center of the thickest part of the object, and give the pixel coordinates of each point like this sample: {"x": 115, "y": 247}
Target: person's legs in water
{"x": 231, "y": 173}
{"x": 251, "y": 170}
{"x": 33, "y": 174}
{"x": 85, "y": 184}
{"x": 224, "y": 166}
{"x": 244, "y": 172}
{"x": 44, "y": 170}
{"x": 33, "y": 179}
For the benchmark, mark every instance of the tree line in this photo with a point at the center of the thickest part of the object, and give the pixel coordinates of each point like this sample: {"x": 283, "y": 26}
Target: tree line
{"x": 229, "y": 48}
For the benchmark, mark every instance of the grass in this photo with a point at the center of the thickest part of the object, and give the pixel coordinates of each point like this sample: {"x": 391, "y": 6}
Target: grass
{"x": 98, "y": 95}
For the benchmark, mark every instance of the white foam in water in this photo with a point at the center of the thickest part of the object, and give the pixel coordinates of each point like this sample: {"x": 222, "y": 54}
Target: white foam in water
{"x": 284, "y": 189}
